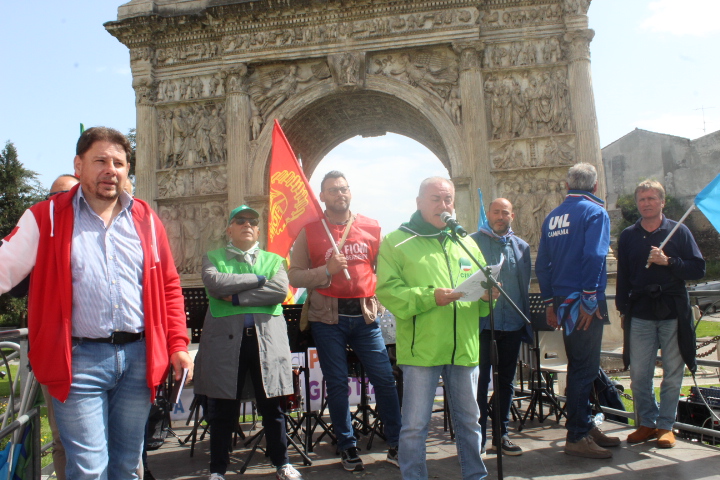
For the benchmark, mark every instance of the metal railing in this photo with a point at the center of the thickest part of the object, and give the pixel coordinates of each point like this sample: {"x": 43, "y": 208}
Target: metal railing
{"x": 20, "y": 423}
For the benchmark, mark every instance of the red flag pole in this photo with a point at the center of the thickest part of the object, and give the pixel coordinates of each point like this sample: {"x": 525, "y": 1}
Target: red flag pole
{"x": 288, "y": 152}
{"x": 335, "y": 248}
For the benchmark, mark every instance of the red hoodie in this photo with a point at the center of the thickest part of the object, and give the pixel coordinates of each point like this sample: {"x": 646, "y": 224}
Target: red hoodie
{"x": 41, "y": 243}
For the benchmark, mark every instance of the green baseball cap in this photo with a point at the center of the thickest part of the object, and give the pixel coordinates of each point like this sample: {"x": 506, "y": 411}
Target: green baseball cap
{"x": 240, "y": 209}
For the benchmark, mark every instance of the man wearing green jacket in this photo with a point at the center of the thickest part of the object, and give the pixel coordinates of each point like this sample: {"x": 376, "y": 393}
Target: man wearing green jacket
{"x": 419, "y": 265}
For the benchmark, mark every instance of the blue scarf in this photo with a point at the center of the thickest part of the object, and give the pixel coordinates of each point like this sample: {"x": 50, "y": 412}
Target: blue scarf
{"x": 569, "y": 311}
{"x": 485, "y": 228}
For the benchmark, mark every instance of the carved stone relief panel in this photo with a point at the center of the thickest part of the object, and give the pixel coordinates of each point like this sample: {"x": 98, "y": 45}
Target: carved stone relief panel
{"x": 519, "y": 17}
{"x": 348, "y": 69}
{"x": 191, "y": 88}
{"x": 145, "y": 91}
{"x": 188, "y": 52}
{"x": 270, "y": 86}
{"x": 193, "y": 229}
{"x": 191, "y": 134}
{"x": 434, "y": 71}
{"x": 540, "y": 152}
{"x": 182, "y": 182}
{"x": 528, "y": 103}
{"x": 333, "y": 32}
{"x": 534, "y": 194}
{"x": 536, "y": 51}
{"x": 576, "y": 7}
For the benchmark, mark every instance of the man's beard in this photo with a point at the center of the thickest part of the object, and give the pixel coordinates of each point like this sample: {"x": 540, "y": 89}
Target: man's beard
{"x": 338, "y": 209}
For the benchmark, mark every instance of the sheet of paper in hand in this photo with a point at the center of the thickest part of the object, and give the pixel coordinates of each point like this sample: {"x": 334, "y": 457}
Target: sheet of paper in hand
{"x": 472, "y": 288}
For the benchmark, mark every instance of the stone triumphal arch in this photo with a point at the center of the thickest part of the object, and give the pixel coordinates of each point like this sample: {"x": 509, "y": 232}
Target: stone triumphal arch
{"x": 499, "y": 90}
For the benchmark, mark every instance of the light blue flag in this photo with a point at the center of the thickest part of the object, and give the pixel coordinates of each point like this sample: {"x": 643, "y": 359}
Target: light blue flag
{"x": 708, "y": 201}
{"x": 482, "y": 218}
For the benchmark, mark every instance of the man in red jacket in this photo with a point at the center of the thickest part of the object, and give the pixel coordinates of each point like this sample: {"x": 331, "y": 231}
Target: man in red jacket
{"x": 105, "y": 309}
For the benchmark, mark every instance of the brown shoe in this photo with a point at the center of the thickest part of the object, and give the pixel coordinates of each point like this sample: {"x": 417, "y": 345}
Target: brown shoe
{"x": 666, "y": 438}
{"x": 586, "y": 448}
{"x": 602, "y": 440}
{"x": 642, "y": 434}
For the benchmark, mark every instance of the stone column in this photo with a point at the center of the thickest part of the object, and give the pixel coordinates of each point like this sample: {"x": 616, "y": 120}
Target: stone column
{"x": 146, "y": 151}
{"x": 237, "y": 117}
{"x": 475, "y": 130}
{"x": 582, "y": 100}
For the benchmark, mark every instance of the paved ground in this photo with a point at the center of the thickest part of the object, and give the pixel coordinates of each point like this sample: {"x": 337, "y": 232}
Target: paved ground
{"x": 543, "y": 459}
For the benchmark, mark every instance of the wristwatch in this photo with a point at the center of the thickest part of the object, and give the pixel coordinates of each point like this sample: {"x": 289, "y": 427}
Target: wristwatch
{"x": 672, "y": 261}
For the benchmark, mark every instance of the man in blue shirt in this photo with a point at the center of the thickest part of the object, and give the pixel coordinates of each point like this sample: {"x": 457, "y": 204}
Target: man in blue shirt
{"x": 497, "y": 241}
{"x": 571, "y": 270}
{"x": 654, "y": 304}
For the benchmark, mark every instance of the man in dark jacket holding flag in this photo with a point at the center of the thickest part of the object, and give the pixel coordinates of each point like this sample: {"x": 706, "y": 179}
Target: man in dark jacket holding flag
{"x": 655, "y": 307}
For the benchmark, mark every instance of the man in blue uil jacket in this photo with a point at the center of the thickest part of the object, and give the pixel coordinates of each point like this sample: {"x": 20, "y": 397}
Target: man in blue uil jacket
{"x": 571, "y": 270}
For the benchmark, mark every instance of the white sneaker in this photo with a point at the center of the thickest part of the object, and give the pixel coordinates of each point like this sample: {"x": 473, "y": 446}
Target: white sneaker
{"x": 216, "y": 476}
{"x": 287, "y": 472}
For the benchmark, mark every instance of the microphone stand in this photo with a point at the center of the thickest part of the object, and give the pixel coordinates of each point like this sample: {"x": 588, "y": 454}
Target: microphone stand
{"x": 489, "y": 283}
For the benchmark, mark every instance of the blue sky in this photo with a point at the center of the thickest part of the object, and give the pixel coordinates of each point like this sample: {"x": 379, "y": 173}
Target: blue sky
{"x": 654, "y": 65}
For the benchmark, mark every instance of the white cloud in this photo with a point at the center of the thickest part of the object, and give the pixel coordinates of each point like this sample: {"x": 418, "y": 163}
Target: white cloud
{"x": 384, "y": 174}
{"x": 689, "y": 17}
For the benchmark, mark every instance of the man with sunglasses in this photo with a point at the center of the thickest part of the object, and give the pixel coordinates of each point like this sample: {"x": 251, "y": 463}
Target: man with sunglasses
{"x": 344, "y": 312}
{"x": 244, "y": 334}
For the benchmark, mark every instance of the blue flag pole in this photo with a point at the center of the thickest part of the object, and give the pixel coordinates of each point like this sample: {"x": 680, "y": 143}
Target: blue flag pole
{"x": 708, "y": 202}
{"x": 482, "y": 218}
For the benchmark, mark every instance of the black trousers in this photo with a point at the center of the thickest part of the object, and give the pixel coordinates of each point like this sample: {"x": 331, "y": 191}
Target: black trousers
{"x": 223, "y": 414}
{"x": 508, "y": 343}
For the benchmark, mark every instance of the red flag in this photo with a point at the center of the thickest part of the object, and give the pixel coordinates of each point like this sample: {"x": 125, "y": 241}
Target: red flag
{"x": 292, "y": 202}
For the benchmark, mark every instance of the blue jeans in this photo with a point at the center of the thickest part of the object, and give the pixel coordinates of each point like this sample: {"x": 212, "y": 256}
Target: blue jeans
{"x": 102, "y": 423}
{"x": 508, "y": 346}
{"x": 367, "y": 342}
{"x": 418, "y": 399}
{"x": 646, "y": 336}
{"x": 583, "y": 352}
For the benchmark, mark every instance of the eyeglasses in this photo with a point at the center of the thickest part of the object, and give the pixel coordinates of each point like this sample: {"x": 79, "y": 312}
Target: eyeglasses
{"x": 243, "y": 220}
{"x": 335, "y": 190}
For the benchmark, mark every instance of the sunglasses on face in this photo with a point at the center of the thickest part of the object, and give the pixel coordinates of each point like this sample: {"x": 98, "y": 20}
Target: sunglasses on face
{"x": 243, "y": 220}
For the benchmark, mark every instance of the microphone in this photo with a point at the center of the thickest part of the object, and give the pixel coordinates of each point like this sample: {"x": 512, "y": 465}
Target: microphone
{"x": 453, "y": 224}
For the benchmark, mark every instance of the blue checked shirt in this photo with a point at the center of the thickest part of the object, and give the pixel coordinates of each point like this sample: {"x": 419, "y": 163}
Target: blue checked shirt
{"x": 107, "y": 272}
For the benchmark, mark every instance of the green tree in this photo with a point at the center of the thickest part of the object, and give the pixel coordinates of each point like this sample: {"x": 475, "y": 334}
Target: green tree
{"x": 132, "y": 138}
{"x": 19, "y": 189}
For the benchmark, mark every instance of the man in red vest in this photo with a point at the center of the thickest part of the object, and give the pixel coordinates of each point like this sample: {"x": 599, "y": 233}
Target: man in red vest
{"x": 344, "y": 312}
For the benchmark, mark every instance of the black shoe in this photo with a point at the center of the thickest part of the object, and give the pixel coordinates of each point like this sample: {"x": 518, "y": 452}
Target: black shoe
{"x": 510, "y": 448}
{"x": 351, "y": 461}
{"x": 392, "y": 456}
